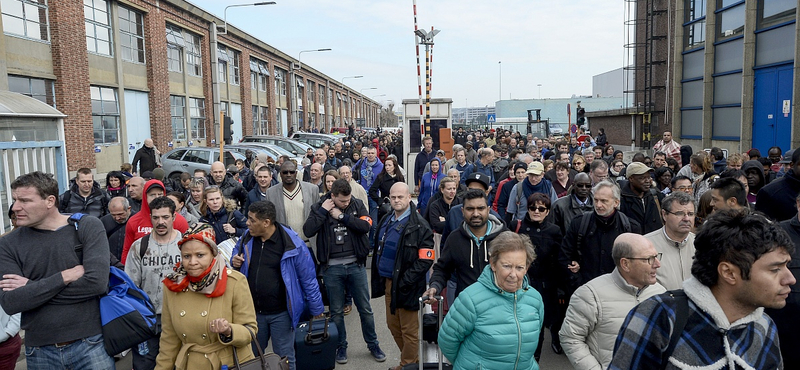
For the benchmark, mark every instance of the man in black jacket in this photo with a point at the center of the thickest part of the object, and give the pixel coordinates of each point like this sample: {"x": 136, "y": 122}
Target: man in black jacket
{"x": 341, "y": 224}
{"x": 230, "y": 188}
{"x": 465, "y": 252}
{"x": 787, "y": 318}
{"x": 119, "y": 210}
{"x": 145, "y": 157}
{"x": 776, "y": 199}
{"x": 638, "y": 202}
{"x": 577, "y": 201}
{"x": 84, "y": 196}
{"x": 403, "y": 254}
{"x": 586, "y": 248}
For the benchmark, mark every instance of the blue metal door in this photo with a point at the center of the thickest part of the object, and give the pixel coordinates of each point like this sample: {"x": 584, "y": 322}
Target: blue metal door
{"x": 772, "y": 122}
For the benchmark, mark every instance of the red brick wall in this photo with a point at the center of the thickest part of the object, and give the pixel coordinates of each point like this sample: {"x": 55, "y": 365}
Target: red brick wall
{"x": 157, "y": 75}
{"x": 71, "y": 68}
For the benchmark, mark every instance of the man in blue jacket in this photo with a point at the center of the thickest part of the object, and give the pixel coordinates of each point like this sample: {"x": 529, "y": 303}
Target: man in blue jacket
{"x": 283, "y": 282}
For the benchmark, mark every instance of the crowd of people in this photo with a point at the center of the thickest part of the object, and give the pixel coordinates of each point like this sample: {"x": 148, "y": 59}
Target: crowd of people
{"x": 520, "y": 235}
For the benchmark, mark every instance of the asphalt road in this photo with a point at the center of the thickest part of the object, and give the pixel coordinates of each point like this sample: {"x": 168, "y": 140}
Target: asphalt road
{"x": 359, "y": 357}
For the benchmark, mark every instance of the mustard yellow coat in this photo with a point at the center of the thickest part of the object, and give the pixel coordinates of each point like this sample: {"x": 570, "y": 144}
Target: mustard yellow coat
{"x": 186, "y": 340}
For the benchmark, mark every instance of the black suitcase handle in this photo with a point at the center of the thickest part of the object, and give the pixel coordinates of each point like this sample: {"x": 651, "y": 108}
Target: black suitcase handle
{"x": 316, "y": 338}
{"x": 422, "y": 300}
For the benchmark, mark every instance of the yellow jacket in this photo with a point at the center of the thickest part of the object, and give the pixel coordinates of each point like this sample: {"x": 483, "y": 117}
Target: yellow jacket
{"x": 186, "y": 339}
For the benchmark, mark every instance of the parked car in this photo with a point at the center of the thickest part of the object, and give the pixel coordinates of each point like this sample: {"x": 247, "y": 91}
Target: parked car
{"x": 271, "y": 151}
{"x": 295, "y": 147}
{"x": 315, "y": 140}
{"x": 189, "y": 159}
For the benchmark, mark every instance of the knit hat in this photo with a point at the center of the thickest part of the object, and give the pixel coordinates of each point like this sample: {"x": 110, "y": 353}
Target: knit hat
{"x": 158, "y": 174}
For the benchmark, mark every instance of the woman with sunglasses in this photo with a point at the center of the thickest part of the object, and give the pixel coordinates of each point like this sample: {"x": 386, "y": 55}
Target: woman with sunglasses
{"x": 546, "y": 238}
{"x": 579, "y": 163}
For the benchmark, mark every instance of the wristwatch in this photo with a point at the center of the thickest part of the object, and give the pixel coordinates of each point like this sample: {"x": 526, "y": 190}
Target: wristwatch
{"x": 341, "y": 217}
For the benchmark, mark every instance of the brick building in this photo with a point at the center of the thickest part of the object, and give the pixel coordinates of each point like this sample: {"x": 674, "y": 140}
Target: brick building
{"x": 126, "y": 70}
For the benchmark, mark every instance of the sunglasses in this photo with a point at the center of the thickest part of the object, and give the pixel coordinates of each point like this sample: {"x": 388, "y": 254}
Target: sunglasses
{"x": 540, "y": 209}
{"x": 584, "y": 186}
{"x": 287, "y": 172}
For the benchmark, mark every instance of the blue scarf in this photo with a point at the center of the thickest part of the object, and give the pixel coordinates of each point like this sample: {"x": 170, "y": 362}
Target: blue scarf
{"x": 543, "y": 187}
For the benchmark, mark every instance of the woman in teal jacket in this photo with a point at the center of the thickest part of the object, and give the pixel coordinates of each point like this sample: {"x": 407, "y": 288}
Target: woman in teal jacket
{"x": 494, "y": 324}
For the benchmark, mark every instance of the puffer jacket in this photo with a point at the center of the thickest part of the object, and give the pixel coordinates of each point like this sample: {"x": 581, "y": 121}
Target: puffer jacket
{"x": 408, "y": 275}
{"x": 595, "y": 314}
{"x": 297, "y": 270}
{"x": 460, "y": 255}
{"x": 96, "y": 204}
{"x": 489, "y": 328}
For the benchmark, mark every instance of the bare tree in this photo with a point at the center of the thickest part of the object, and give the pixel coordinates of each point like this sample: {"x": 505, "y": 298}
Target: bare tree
{"x": 387, "y": 116}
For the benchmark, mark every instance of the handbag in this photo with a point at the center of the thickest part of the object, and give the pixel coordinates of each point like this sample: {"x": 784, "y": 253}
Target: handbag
{"x": 268, "y": 361}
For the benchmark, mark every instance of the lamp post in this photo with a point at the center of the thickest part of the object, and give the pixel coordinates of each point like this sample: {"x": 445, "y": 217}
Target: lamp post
{"x": 426, "y": 38}
{"x": 500, "y": 80}
{"x": 349, "y": 104}
{"x": 218, "y": 119}
{"x": 293, "y": 79}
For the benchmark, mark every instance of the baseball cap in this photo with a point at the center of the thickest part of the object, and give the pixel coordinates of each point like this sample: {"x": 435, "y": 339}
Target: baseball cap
{"x": 479, "y": 177}
{"x": 440, "y": 152}
{"x": 787, "y": 157}
{"x": 468, "y": 143}
{"x": 636, "y": 168}
{"x": 535, "y": 168}
{"x": 521, "y": 165}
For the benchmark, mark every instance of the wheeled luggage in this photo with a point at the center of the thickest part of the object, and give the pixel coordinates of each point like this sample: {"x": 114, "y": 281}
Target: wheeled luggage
{"x": 422, "y": 365}
{"x": 315, "y": 343}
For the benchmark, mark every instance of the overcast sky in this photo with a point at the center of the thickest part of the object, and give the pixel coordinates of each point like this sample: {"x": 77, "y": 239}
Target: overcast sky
{"x": 560, "y": 44}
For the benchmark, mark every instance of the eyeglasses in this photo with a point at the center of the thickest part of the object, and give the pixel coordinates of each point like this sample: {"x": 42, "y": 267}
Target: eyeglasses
{"x": 287, "y": 172}
{"x": 683, "y": 188}
{"x": 540, "y": 209}
{"x": 584, "y": 186}
{"x": 681, "y": 214}
{"x": 577, "y": 163}
{"x": 650, "y": 260}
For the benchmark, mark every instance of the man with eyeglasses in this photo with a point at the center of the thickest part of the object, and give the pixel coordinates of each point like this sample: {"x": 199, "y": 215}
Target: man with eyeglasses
{"x": 639, "y": 202}
{"x": 293, "y": 200}
{"x": 675, "y": 241}
{"x": 598, "y": 308}
{"x": 741, "y": 266}
{"x": 598, "y": 171}
{"x": 681, "y": 184}
{"x": 576, "y": 202}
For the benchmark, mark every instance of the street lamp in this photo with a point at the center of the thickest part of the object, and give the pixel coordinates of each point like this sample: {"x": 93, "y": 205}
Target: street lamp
{"x": 293, "y": 80}
{"x": 349, "y": 104}
{"x": 225, "y": 13}
{"x": 218, "y": 121}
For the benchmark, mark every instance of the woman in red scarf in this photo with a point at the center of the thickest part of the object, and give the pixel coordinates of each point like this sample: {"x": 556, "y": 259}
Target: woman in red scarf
{"x": 207, "y": 309}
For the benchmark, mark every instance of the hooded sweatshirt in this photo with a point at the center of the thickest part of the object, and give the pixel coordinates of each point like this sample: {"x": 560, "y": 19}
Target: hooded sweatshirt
{"x": 464, "y": 255}
{"x": 751, "y": 197}
{"x": 140, "y": 224}
{"x": 429, "y": 185}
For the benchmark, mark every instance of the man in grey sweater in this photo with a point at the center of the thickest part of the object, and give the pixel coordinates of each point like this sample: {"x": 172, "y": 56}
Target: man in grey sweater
{"x": 54, "y": 273}
{"x": 148, "y": 269}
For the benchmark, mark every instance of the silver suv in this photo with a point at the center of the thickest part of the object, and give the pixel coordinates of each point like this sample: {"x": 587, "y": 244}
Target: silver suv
{"x": 189, "y": 159}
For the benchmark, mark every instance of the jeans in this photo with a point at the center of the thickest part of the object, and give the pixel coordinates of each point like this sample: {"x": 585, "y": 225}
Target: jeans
{"x": 147, "y": 361}
{"x": 85, "y": 354}
{"x": 279, "y": 327}
{"x": 354, "y": 278}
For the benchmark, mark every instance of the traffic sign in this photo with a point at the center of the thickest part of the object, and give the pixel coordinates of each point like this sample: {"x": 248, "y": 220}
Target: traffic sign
{"x": 573, "y": 128}
{"x": 491, "y": 118}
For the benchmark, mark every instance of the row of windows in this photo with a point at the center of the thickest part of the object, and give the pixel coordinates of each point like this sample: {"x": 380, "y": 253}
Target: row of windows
{"x": 197, "y": 117}
{"x": 228, "y": 64}
{"x": 730, "y": 18}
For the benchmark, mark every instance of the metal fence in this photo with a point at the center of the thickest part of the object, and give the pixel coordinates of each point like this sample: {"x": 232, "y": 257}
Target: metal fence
{"x": 18, "y": 158}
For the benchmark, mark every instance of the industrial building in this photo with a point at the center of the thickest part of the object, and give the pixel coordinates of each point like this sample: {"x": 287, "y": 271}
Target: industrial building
{"x": 125, "y": 70}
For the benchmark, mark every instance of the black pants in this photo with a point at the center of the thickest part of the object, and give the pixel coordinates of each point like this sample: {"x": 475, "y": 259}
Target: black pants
{"x": 148, "y": 360}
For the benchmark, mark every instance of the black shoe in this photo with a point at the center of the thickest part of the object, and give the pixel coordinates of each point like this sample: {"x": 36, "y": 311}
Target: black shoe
{"x": 557, "y": 348}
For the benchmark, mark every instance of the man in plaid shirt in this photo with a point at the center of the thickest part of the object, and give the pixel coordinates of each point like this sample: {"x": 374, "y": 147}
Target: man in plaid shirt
{"x": 740, "y": 267}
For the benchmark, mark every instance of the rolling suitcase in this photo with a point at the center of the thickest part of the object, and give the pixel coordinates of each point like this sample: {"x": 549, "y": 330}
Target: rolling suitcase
{"x": 422, "y": 365}
{"x": 315, "y": 343}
